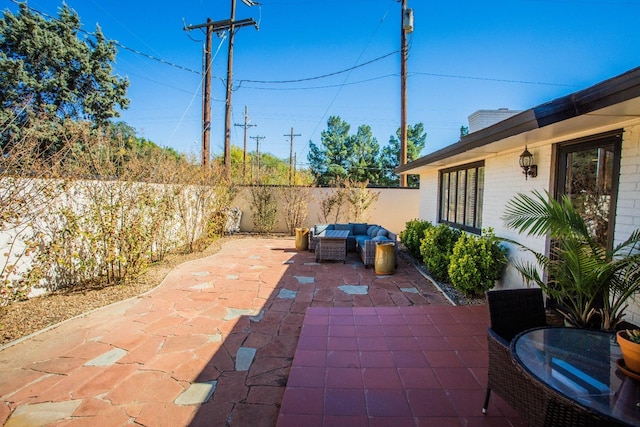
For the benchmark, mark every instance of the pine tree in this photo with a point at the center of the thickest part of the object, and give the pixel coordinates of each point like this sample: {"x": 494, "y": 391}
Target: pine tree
{"x": 46, "y": 70}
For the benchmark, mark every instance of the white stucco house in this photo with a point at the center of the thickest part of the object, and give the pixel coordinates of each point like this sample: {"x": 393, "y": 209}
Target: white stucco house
{"x": 587, "y": 142}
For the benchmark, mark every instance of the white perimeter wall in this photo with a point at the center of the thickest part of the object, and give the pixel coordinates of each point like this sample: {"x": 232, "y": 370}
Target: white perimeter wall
{"x": 395, "y": 206}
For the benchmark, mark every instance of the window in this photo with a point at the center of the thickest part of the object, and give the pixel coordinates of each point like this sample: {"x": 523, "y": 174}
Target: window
{"x": 461, "y": 197}
{"x": 588, "y": 172}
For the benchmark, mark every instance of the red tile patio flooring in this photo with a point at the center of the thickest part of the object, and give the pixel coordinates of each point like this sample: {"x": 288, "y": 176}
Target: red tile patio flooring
{"x": 392, "y": 366}
{"x": 255, "y": 335}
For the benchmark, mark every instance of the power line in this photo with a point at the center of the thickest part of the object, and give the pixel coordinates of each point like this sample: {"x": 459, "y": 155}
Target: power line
{"x": 321, "y": 87}
{"x": 115, "y": 42}
{"x": 453, "y": 76}
{"x": 321, "y": 76}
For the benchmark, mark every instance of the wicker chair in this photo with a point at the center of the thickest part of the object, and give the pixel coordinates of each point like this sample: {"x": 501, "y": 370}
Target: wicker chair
{"x": 513, "y": 311}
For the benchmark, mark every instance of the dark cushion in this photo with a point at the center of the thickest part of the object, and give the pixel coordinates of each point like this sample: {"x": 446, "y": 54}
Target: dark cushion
{"x": 344, "y": 227}
{"x": 381, "y": 239}
{"x": 370, "y": 230}
{"x": 359, "y": 228}
{"x": 361, "y": 239}
{"x": 382, "y": 233}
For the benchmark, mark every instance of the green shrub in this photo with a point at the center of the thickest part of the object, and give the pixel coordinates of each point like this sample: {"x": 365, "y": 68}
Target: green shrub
{"x": 476, "y": 262}
{"x": 413, "y": 234}
{"x": 436, "y": 248}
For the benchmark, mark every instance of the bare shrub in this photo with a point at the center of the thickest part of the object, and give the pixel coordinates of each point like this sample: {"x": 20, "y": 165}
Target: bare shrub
{"x": 295, "y": 206}
{"x": 264, "y": 207}
{"x": 27, "y": 188}
{"x": 332, "y": 203}
{"x": 360, "y": 199}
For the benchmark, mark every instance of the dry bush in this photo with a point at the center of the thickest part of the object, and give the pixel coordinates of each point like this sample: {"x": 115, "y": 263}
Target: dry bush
{"x": 264, "y": 207}
{"x": 295, "y": 202}
{"x": 360, "y": 199}
{"x": 28, "y": 185}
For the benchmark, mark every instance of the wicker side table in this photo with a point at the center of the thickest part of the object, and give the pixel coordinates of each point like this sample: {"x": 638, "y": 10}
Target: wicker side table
{"x": 332, "y": 245}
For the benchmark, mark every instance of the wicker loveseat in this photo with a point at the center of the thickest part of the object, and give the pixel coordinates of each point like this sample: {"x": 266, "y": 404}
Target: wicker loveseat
{"x": 363, "y": 238}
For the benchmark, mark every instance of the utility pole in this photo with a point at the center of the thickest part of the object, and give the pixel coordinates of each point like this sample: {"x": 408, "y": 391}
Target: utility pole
{"x": 227, "y": 109}
{"x": 206, "y": 97}
{"x": 246, "y": 125}
{"x": 406, "y": 26}
{"x": 291, "y": 135}
{"x": 211, "y": 26}
{"x": 257, "y": 138}
{"x": 227, "y": 105}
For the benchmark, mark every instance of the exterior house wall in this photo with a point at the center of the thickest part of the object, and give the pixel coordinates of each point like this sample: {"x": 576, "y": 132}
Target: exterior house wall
{"x": 429, "y": 194}
{"x": 628, "y": 207}
{"x": 504, "y": 179}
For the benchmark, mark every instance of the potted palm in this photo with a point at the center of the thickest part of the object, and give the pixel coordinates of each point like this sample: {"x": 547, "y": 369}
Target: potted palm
{"x": 591, "y": 284}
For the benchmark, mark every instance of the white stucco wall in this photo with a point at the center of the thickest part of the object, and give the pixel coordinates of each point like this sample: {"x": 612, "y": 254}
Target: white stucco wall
{"x": 628, "y": 207}
{"x": 392, "y": 210}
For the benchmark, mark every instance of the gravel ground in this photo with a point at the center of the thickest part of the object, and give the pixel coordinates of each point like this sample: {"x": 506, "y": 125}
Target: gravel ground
{"x": 26, "y": 317}
{"x": 454, "y": 295}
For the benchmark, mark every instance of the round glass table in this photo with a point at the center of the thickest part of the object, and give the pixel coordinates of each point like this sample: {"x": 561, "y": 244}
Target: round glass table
{"x": 581, "y": 365}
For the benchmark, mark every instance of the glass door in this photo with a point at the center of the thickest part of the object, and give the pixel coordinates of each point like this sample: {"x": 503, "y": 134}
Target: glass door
{"x": 588, "y": 173}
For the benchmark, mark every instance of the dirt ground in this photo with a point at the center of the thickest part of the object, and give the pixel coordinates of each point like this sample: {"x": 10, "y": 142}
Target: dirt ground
{"x": 26, "y": 317}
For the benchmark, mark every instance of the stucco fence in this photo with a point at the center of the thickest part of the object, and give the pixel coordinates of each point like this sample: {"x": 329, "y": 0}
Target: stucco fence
{"x": 392, "y": 210}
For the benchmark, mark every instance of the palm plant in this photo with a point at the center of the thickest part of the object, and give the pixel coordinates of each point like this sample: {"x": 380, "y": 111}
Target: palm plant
{"x": 582, "y": 275}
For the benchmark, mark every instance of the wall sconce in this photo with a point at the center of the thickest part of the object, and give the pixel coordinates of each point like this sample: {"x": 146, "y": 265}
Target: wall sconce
{"x": 526, "y": 163}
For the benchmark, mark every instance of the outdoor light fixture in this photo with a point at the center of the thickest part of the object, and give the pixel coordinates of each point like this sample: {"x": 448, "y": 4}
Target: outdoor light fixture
{"x": 526, "y": 163}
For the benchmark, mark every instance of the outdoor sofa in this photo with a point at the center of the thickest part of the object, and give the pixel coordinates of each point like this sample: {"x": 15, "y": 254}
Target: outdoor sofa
{"x": 363, "y": 239}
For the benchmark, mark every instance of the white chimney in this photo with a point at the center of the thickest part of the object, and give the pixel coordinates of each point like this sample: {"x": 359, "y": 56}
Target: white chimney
{"x": 485, "y": 118}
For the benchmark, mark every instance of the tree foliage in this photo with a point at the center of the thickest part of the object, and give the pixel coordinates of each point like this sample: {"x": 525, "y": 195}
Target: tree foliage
{"x": 331, "y": 160}
{"x": 359, "y": 157}
{"x": 46, "y": 68}
{"x": 416, "y": 141}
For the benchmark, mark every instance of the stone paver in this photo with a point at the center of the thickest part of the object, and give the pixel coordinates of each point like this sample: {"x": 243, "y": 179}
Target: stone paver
{"x": 212, "y": 345}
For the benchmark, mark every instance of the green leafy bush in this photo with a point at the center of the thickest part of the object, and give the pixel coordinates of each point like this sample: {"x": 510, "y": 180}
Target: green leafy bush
{"x": 413, "y": 234}
{"x": 436, "y": 249}
{"x": 476, "y": 262}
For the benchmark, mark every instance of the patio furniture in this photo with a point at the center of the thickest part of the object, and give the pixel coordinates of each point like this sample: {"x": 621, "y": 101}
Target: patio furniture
{"x": 362, "y": 238}
{"x": 576, "y": 377}
{"x": 332, "y": 245}
{"x": 512, "y": 311}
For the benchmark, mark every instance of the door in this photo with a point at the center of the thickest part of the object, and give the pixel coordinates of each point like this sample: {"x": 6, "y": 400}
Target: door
{"x": 588, "y": 171}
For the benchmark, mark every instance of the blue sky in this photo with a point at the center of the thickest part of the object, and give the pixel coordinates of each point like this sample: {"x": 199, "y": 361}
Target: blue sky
{"x": 464, "y": 56}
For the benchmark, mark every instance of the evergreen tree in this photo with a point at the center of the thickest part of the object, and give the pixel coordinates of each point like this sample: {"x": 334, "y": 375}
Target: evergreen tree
{"x": 416, "y": 141}
{"x": 365, "y": 156}
{"x": 47, "y": 70}
{"x": 332, "y": 160}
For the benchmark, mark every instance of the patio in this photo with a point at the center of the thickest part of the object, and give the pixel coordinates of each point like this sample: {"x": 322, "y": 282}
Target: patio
{"x": 259, "y": 334}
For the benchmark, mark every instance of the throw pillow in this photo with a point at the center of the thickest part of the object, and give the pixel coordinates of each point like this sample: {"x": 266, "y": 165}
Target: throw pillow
{"x": 382, "y": 233}
{"x": 343, "y": 227}
{"x": 359, "y": 228}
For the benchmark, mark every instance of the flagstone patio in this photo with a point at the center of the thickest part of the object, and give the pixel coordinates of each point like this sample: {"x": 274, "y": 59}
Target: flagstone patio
{"x": 259, "y": 334}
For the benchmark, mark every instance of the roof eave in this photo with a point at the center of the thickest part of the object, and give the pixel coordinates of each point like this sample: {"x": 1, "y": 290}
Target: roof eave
{"x": 604, "y": 94}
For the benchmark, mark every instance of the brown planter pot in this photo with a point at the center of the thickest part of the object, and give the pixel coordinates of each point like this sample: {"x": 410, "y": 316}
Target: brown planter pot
{"x": 302, "y": 239}
{"x": 385, "y": 262}
{"x": 630, "y": 352}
